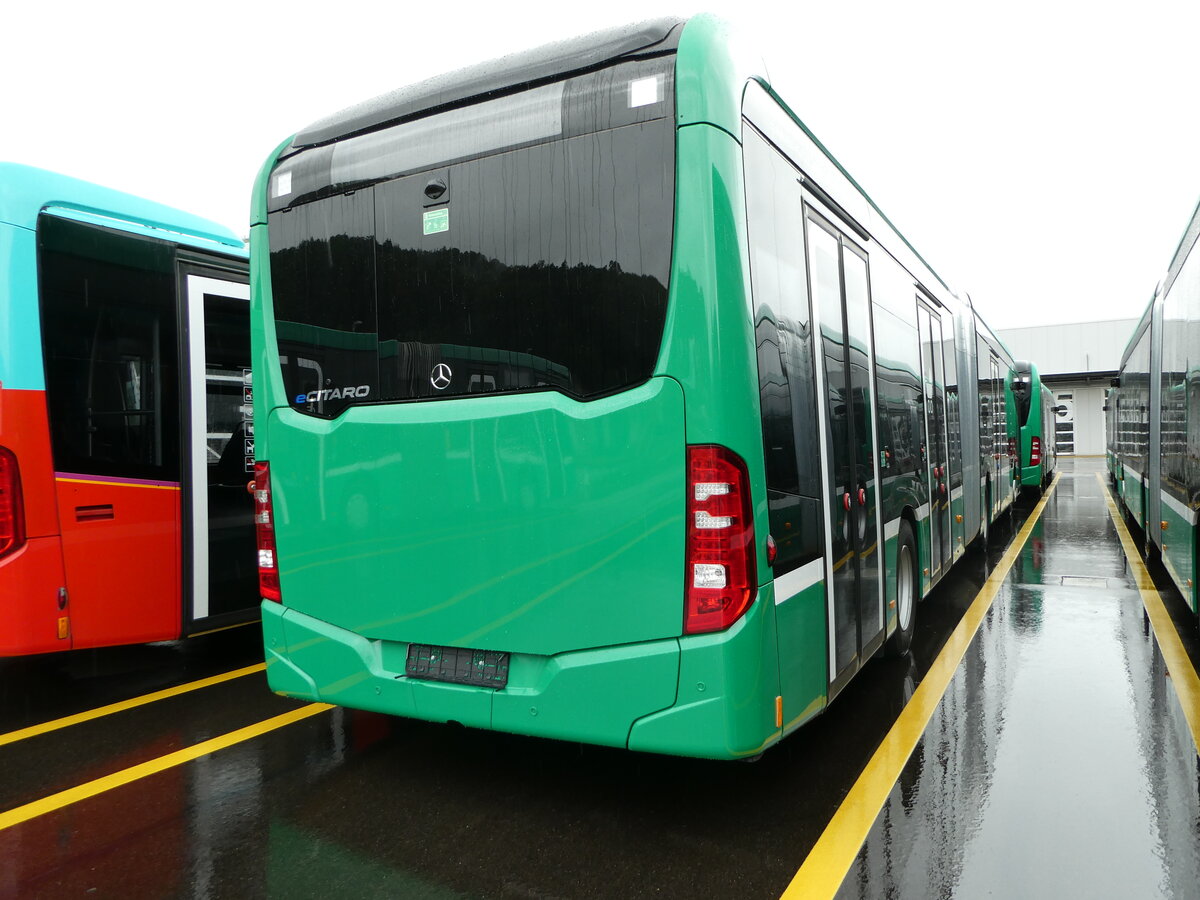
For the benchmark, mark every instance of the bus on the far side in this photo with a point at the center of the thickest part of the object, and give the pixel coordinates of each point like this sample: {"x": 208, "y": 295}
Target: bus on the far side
{"x": 1154, "y": 415}
{"x": 1036, "y": 414}
{"x": 126, "y": 438}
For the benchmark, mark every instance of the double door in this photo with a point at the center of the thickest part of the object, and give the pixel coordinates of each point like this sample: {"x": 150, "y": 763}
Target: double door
{"x": 936, "y": 455}
{"x": 853, "y": 556}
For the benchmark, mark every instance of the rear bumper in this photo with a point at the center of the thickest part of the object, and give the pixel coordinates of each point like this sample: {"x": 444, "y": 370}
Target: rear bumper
{"x": 30, "y": 580}
{"x": 624, "y": 696}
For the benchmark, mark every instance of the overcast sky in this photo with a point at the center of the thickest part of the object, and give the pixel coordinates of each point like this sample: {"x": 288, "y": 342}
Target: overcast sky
{"x": 1040, "y": 155}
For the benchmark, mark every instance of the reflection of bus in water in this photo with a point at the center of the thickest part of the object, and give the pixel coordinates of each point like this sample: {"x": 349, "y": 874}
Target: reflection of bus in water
{"x": 126, "y": 438}
{"x": 410, "y": 367}
{"x": 597, "y": 402}
{"x": 1036, "y": 414}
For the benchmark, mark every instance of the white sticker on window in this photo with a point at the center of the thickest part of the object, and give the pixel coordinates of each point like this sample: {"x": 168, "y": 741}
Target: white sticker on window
{"x": 283, "y": 185}
{"x": 645, "y": 91}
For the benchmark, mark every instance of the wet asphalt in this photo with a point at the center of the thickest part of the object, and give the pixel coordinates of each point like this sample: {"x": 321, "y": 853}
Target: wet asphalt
{"x": 1057, "y": 765}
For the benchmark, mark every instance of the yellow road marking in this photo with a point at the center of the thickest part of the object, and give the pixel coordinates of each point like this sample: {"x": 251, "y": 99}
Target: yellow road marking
{"x": 153, "y": 767}
{"x": 153, "y": 487}
{"x": 196, "y": 634}
{"x": 55, "y": 724}
{"x": 1183, "y": 674}
{"x": 830, "y": 859}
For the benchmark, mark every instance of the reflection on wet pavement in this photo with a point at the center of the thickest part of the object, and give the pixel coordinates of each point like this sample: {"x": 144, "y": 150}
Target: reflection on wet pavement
{"x": 1060, "y": 763}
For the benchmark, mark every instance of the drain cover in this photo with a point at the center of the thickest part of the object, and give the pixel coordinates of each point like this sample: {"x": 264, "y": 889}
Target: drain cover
{"x": 1084, "y": 581}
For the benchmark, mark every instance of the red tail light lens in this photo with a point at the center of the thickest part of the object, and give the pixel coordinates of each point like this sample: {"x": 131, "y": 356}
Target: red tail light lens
{"x": 1035, "y": 451}
{"x": 264, "y": 527}
{"x": 12, "y": 507}
{"x": 720, "y": 540}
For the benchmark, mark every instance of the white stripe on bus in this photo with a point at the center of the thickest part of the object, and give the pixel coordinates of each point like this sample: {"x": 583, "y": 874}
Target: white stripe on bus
{"x": 1181, "y": 509}
{"x": 798, "y": 580}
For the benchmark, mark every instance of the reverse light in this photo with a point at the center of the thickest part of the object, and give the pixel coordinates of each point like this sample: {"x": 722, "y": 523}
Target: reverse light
{"x": 720, "y": 540}
{"x": 264, "y": 529}
{"x": 12, "y": 506}
{"x": 1035, "y": 451}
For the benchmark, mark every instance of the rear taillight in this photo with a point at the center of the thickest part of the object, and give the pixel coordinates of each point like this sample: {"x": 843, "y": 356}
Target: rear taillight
{"x": 264, "y": 528}
{"x": 1035, "y": 451}
{"x": 720, "y": 540}
{"x": 12, "y": 507}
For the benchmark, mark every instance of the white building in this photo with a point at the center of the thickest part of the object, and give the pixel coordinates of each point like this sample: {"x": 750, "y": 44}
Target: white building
{"x": 1077, "y": 362}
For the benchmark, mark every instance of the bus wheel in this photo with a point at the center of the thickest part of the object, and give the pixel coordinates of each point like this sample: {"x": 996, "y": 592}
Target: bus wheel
{"x": 906, "y": 592}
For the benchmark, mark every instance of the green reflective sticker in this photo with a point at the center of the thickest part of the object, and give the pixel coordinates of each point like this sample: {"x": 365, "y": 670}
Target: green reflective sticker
{"x": 436, "y": 220}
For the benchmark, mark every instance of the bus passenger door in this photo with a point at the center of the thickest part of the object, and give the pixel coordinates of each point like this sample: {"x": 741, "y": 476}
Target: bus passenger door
{"x": 1001, "y": 483}
{"x": 219, "y": 545}
{"x": 929, "y": 325}
{"x": 841, "y": 301}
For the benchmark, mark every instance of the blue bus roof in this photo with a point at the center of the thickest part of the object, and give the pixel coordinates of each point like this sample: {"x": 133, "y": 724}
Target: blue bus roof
{"x": 26, "y": 192}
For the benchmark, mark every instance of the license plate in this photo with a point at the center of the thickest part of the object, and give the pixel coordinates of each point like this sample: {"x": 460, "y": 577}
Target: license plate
{"x": 457, "y": 665}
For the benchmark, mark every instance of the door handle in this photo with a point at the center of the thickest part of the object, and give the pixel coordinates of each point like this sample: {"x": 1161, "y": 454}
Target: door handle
{"x": 846, "y": 501}
{"x": 862, "y": 497}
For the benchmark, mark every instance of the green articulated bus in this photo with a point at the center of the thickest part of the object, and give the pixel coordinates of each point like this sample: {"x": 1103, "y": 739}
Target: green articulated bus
{"x": 1036, "y": 416}
{"x": 1154, "y": 420}
{"x": 599, "y": 403}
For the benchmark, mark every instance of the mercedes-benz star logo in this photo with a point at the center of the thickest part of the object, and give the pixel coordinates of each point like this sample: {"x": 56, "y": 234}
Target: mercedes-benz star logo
{"x": 441, "y": 376}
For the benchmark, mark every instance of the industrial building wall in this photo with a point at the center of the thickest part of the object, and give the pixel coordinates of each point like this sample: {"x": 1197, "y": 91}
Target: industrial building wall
{"x": 1076, "y": 362}
{"x": 1082, "y": 348}
{"x": 1080, "y": 431}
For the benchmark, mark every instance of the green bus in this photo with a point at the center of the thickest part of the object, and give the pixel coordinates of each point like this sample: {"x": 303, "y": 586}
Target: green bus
{"x": 1036, "y": 416}
{"x": 599, "y": 403}
{"x": 1154, "y": 421}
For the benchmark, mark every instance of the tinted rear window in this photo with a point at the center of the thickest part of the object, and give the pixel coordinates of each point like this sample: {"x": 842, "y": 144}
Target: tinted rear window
{"x": 541, "y": 267}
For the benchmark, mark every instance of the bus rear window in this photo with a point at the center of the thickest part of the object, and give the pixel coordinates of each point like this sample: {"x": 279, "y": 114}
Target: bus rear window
{"x": 538, "y": 268}
{"x": 1022, "y": 390}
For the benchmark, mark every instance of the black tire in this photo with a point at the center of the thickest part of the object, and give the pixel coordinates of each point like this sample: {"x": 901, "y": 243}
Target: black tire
{"x": 907, "y": 592}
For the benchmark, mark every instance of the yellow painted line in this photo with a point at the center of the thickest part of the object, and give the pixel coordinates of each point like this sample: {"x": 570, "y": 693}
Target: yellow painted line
{"x": 196, "y": 634}
{"x": 1183, "y": 674}
{"x": 830, "y": 859}
{"x": 153, "y": 487}
{"x": 154, "y": 766}
{"x": 845, "y": 559}
{"x": 55, "y": 724}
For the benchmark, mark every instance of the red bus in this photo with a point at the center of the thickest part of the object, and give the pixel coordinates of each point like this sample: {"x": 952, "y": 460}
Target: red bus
{"x": 126, "y": 437}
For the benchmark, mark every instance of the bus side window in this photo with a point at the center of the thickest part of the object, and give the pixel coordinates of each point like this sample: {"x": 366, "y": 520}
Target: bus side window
{"x": 783, "y": 335}
{"x": 108, "y": 327}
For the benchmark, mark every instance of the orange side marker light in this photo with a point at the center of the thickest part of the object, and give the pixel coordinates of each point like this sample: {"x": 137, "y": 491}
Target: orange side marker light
{"x": 779, "y": 712}
{"x": 64, "y": 627}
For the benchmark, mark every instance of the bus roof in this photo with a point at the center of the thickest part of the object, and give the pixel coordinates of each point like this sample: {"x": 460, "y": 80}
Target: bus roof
{"x": 516, "y": 71}
{"x": 26, "y": 192}
{"x": 716, "y": 56}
